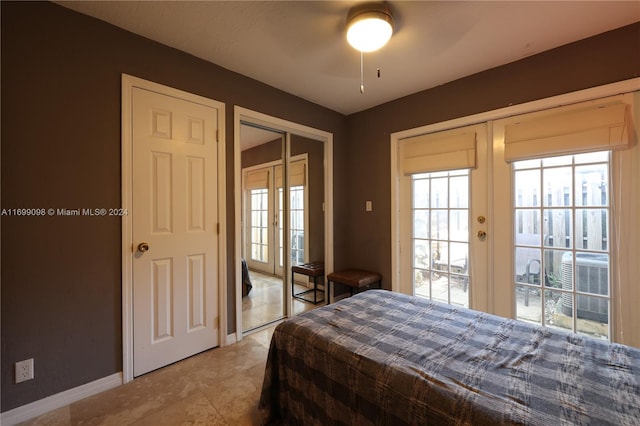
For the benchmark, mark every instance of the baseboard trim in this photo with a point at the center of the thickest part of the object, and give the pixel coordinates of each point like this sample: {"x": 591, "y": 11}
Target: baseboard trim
{"x": 37, "y": 408}
{"x": 231, "y": 339}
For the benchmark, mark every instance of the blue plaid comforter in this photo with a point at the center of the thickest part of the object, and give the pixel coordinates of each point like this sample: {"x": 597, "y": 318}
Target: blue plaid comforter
{"x": 384, "y": 358}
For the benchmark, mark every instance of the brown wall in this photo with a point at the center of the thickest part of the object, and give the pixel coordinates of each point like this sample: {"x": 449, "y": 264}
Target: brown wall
{"x": 606, "y": 58}
{"x": 61, "y": 277}
{"x": 265, "y": 153}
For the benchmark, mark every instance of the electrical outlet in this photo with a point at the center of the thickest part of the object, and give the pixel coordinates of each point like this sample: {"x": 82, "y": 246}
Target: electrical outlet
{"x": 24, "y": 370}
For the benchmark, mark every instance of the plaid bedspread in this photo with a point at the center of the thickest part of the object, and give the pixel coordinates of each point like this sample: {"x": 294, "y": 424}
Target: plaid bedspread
{"x": 383, "y": 358}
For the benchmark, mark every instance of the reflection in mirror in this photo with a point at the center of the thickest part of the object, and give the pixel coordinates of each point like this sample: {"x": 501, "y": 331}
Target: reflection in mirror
{"x": 306, "y": 185}
{"x": 262, "y": 283}
{"x": 265, "y": 269}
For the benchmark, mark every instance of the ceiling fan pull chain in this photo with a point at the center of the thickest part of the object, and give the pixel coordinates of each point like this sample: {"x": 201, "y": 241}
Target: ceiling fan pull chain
{"x": 361, "y": 72}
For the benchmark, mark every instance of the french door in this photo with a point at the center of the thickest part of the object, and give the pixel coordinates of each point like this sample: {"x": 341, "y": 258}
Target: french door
{"x": 558, "y": 199}
{"x": 443, "y": 216}
{"x": 261, "y": 219}
{"x": 265, "y": 217}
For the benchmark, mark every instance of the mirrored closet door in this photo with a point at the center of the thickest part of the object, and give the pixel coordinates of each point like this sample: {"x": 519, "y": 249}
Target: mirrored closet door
{"x": 282, "y": 223}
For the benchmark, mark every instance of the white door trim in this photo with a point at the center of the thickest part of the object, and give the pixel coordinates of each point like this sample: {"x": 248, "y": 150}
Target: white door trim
{"x": 128, "y": 83}
{"x": 244, "y": 114}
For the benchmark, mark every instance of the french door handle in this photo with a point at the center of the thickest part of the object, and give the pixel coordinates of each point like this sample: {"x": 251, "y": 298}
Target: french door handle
{"x": 481, "y": 235}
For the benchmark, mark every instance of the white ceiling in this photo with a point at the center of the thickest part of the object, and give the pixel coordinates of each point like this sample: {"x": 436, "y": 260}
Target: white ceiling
{"x": 251, "y": 136}
{"x": 300, "y": 46}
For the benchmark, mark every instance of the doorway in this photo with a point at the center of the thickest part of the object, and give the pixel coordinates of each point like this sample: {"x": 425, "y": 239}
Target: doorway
{"x": 283, "y": 215}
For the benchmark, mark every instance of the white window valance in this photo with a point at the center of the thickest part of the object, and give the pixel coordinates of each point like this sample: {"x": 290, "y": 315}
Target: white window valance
{"x": 297, "y": 174}
{"x": 257, "y": 179}
{"x": 568, "y": 130}
{"x": 446, "y": 150}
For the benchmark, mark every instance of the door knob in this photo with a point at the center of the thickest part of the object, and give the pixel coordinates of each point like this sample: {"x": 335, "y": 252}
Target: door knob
{"x": 142, "y": 247}
{"x": 481, "y": 235}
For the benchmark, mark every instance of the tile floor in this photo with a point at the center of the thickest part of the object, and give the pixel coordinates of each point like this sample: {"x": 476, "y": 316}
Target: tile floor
{"x": 217, "y": 387}
{"x": 264, "y": 304}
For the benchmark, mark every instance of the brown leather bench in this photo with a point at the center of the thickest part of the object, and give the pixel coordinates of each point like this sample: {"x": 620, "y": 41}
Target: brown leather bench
{"x": 311, "y": 269}
{"x": 354, "y": 279}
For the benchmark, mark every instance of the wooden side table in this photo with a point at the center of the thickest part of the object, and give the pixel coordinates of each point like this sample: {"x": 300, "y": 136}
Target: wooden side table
{"x": 354, "y": 279}
{"x": 311, "y": 269}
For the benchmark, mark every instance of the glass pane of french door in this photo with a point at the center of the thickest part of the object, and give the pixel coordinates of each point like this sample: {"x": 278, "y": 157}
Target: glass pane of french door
{"x": 296, "y": 224}
{"x": 440, "y": 221}
{"x": 259, "y": 225}
{"x": 561, "y": 218}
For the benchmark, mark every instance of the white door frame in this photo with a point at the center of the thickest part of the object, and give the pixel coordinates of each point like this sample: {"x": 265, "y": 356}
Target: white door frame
{"x": 243, "y": 114}
{"x": 128, "y": 83}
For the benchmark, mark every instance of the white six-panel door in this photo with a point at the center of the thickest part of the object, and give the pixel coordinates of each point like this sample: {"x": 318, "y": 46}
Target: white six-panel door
{"x": 175, "y": 289}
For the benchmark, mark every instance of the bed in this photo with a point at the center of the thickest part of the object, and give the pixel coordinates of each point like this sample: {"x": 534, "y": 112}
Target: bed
{"x": 246, "y": 279}
{"x": 384, "y": 358}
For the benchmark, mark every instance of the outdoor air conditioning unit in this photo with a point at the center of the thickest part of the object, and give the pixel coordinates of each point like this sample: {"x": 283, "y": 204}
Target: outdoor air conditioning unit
{"x": 592, "y": 276}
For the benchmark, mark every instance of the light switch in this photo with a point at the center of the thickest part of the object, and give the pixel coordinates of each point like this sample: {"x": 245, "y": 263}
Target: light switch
{"x": 368, "y": 206}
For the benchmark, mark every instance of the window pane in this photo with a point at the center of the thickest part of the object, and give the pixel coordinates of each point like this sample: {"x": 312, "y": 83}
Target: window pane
{"x": 527, "y": 227}
{"x": 421, "y": 193}
{"x": 592, "y": 182}
{"x": 459, "y": 192}
{"x": 439, "y": 226}
{"x": 553, "y": 315}
{"x": 593, "y": 316}
{"x": 553, "y": 272}
{"x": 439, "y": 193}
{"x": 557, "y": 228}
{"x": 422, "y": 282}
{"x": 440, "y": 288}
{"x": 421, "y": 258}
{"x": 459, "y": 225}
{"x": 528, "y": 265}
{"x": 458, "y": 253}
{"x": 592, "y": 273}
{"x": 440, "y": 256}
{"x": 421, "y": 223}
{"x": 527, "y": 184}
{"x": 591, "y": 229}
{"x": 557, "y": 187}
{"x": 528, "y": 305}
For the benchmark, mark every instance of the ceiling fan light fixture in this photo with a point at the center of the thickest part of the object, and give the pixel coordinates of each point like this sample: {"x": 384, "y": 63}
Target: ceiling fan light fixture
{"x": 369, "y": 29}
